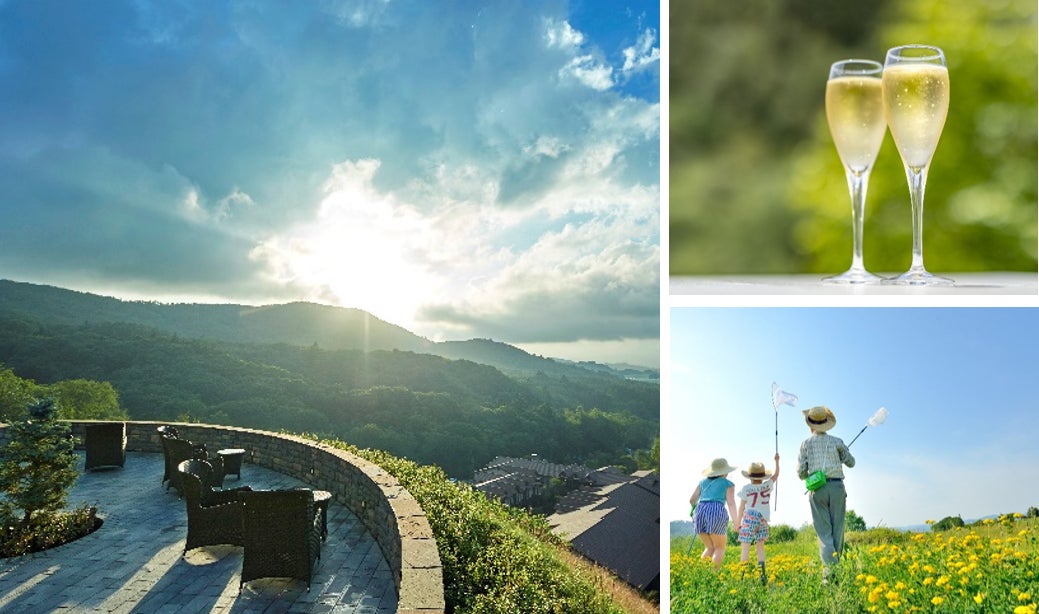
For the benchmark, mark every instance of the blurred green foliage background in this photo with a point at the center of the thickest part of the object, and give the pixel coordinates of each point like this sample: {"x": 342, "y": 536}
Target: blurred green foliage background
{"x": 756, "y": 185}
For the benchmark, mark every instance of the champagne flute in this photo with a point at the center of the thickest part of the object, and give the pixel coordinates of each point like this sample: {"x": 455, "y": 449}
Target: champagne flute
{"x": 916, "y": 102}
{"x": 855, "y": 113}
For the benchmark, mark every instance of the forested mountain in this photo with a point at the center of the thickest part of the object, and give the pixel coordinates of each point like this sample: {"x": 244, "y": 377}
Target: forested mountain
{"x": 454, "y": 413}
{"x": 303, "y": 324}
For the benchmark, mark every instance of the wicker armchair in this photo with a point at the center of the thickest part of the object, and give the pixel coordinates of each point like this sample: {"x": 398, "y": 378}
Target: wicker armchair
{"x": 177, "y": 451}
{"x": 105, "y": 444}
{"x": 207, "y": 475}
{"x": 170, "y": 467}
{"x": 217, "y": 523}
{"x": 282, "y": 535}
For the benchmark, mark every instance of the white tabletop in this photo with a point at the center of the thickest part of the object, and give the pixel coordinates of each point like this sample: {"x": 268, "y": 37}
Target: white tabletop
{"x": 966, "y": 284}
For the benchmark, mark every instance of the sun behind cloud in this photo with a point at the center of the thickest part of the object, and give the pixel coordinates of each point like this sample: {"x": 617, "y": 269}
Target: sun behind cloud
{"x": 362, "y": 249}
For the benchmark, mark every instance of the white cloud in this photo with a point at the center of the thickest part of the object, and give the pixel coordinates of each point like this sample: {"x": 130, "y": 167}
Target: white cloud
{"x": 560, "y": 35}
{"x": 586, "y": 70}
{"x": 641, "y": 54}
{"x": 548, "y": 146}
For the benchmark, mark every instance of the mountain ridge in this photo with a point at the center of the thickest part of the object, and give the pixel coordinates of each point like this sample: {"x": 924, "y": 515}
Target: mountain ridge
{"x": 299, "y": 323}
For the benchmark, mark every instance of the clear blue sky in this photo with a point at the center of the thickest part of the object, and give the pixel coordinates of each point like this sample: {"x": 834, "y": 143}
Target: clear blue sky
{"x": 452, "y": 167}
{"x": 959, "y": 384}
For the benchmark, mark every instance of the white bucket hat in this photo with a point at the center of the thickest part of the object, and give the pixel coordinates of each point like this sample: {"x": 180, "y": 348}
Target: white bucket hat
{"x": 719, "y": 466}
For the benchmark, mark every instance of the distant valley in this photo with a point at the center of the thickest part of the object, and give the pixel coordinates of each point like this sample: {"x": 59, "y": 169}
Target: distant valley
{"x": 345, "y": 373}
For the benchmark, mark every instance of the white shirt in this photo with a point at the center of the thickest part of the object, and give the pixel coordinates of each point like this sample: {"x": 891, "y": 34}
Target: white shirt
{"x": 757, "y": 496}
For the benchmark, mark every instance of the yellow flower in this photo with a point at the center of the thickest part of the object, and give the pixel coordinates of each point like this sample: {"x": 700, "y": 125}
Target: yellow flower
{"x": 979, "y": 598}
{"x": 1024, "y": 609}
{"x": 937, "y": 600}
{"x": 1024, "y": 597}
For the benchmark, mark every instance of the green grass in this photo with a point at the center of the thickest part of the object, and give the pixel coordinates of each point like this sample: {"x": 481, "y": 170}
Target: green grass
{"x": 991, "y": 567}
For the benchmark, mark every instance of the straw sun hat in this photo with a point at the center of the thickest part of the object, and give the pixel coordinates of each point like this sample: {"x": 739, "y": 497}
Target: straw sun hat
{"x": 756, "y": 471}
{"x": 820, "y": 418}
{"x": 719, "y": 466}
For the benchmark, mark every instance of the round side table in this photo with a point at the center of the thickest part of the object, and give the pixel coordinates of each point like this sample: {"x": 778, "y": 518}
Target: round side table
{"x": 232, "y": 461}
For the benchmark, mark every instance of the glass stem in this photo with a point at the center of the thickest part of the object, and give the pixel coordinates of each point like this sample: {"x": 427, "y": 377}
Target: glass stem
{"x": 917, "y": 180}
{"x": 857, "y": 183}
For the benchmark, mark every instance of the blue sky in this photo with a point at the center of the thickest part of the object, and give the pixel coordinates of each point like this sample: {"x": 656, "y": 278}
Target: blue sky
{"x": 959, "y": 385}
{"x": 464, "y": 169}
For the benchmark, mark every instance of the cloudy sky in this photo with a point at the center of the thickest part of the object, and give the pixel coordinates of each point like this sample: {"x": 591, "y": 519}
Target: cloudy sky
{"x": 958, "y": 385}
{"x": 463, "y": 169}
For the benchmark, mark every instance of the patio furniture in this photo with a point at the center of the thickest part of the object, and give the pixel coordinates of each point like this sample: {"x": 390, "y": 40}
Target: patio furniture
{"x": 282, "y": 535}
{"x": 105, "y": 444}
{"x": 166, "y": 433}
{"x": 232, "y": 458}
{"x": 176, "y": 451}
{"x": 321, "y": 500}
{"x": 219, "y": 522}
{"x": 207, "y": 475}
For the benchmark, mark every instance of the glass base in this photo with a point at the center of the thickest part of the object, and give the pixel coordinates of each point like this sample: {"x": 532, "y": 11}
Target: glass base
{"x": 919, "y": 277}
{"x": 854, "y": 276}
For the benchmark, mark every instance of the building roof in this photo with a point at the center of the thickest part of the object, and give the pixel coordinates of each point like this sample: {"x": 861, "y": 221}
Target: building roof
{"x": 617, "y": 526}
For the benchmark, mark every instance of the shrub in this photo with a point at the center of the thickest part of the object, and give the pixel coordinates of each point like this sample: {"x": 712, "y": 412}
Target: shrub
{"x": 38, "y": 465}
{"x": 495, "y": 558}
{"x": 854, "y": 522}
{"x": 37, "y": 469}
{"x": 45, "y": 530}
{"x": 949, "y": 522}
{"x": 782, "y": 533}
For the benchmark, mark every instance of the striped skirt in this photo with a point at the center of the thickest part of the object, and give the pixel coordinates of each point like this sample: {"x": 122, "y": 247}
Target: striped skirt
{"x": 710, "y": 517}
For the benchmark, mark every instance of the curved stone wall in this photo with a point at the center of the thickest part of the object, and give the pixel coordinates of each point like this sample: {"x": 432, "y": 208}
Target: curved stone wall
{"x": 387, "y": 509}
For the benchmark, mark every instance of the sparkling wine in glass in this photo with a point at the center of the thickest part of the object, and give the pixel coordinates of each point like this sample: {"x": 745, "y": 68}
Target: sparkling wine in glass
{"x": 916, "y": 102}
{"x": 855, "y": 113}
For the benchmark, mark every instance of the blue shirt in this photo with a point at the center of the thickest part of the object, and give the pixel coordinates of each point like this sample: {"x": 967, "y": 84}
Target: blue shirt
{"x": 714, "y": 489}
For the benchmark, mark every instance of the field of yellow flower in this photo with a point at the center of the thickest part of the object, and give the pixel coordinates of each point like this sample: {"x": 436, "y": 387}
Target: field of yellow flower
{"x": 991, "y": 567}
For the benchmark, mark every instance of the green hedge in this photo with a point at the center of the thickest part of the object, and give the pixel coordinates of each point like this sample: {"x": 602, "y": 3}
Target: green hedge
{"x": 495, "y": 558}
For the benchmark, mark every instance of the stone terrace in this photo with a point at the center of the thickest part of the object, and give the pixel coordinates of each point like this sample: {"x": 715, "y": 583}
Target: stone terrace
{"x": 379, "y": 556}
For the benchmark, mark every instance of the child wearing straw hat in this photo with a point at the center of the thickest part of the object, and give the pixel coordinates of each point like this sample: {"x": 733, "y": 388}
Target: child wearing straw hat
{"x": 712, "y": 495}
{"x": 822, "y": 452}
{"x": 753, "y": 516}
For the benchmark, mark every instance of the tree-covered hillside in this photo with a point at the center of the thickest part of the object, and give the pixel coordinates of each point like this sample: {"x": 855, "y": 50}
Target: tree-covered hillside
{"x": 454, "y": 413}
{"x": 301, "y": 324}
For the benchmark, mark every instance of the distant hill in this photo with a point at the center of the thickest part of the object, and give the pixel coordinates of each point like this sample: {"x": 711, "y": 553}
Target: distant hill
{"x": 300, "y": 323}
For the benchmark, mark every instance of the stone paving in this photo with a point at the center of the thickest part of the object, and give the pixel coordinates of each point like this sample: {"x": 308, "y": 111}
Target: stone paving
{"x": 136, "y": 561}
